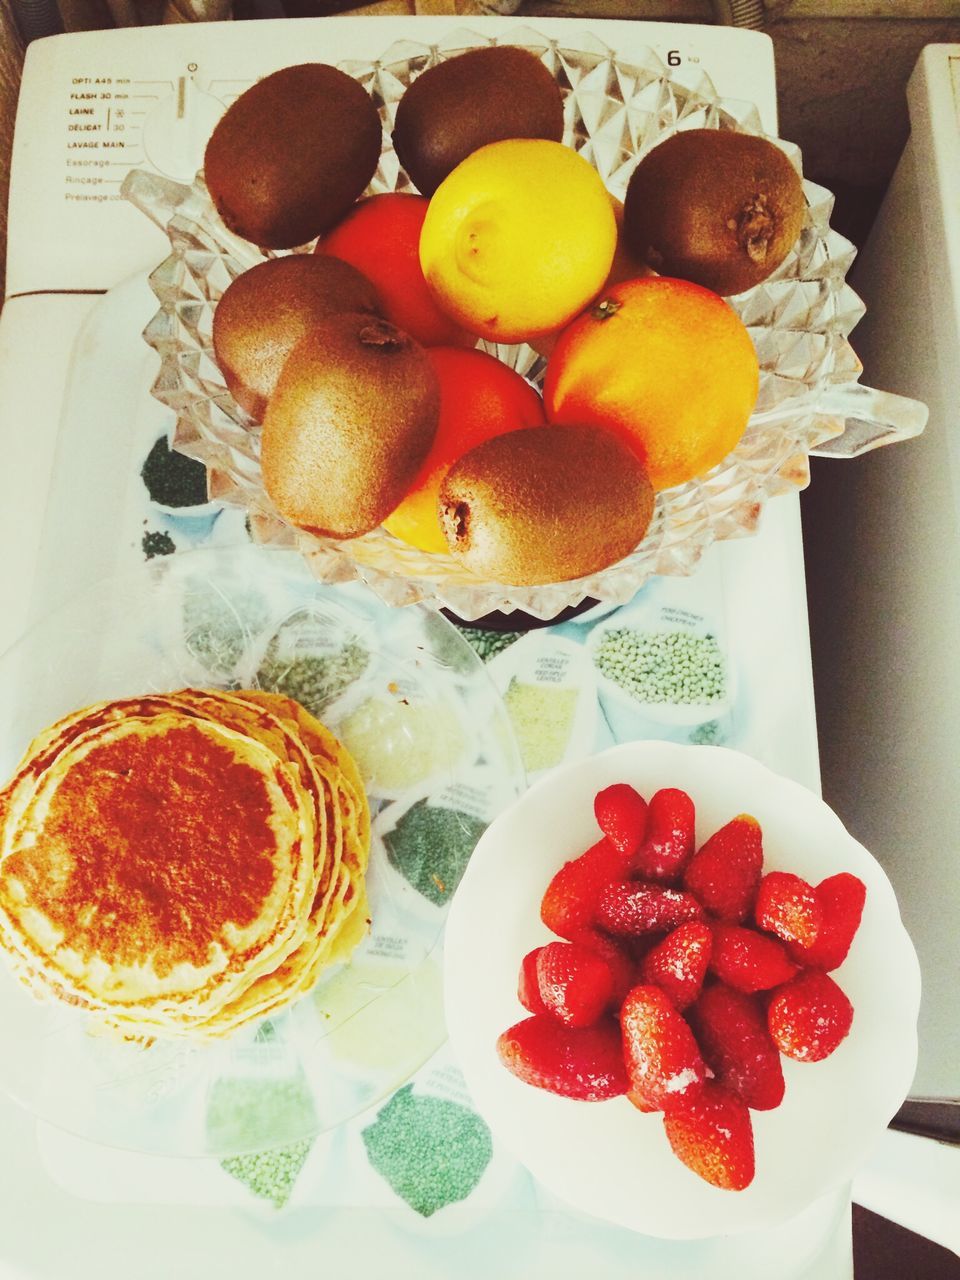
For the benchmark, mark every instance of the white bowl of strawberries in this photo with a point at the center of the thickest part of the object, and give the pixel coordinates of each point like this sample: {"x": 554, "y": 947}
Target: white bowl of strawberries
{"x": 680, "y": 991}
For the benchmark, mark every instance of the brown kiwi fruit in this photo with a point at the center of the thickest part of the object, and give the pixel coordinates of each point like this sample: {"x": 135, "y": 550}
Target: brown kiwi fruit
{"x": 545, "y": 505}
{"x": 264, "y": 313}
{"x": 457, "y": 106}
{"x": 719, "y": 208}
{"x": 353, "y": 417}
{"x": 291, "y": 155}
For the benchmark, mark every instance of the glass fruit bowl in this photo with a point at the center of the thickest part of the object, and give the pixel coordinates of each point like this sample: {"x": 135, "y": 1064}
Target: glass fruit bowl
{"x": 437, "y": 755}
{"x": 614, "y": 112}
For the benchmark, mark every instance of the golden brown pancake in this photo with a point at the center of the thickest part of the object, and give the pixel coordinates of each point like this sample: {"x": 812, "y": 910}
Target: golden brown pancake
{"x": 160, "y": 855}
{"x": 323, "y": 743}
{"x": 240, "y": 712}
{"x": 334, "y": 932}
{"x": 182, "y": 863}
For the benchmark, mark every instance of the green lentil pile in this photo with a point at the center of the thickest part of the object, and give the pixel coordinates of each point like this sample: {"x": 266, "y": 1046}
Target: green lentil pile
{"x": 258, "y": 1114}
{"x": 489, "y": 643}
{"x": 430, "y": 847}
{"x": 670, "y": 666}
{"x": 213, "y": 631}
{"x": 270, "y": 1175}
{"x": 432, "y": 1152}
{"x": 310, "y": 679}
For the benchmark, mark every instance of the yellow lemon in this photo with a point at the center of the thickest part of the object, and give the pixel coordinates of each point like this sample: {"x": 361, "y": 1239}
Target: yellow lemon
{"x": 518, "y": 239}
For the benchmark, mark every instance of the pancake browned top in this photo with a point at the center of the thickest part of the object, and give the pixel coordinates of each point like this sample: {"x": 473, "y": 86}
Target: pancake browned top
{"x": 79, "y": 841}
{"x": 167, "y": 847}
{"x": 182, "y": 863}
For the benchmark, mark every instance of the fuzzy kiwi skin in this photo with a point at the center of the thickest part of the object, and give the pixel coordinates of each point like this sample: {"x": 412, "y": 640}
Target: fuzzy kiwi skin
{"x": 457, "y": 106}
{"x": 353, "y": 417}
{"x": 545, "y": 505}
{"x": 719, "y": 208}
{"x": 290, "y": 156}
{"x": 264, "y": 313}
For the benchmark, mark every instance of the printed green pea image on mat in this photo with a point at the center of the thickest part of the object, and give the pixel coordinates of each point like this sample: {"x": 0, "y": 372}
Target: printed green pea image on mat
{"x": 676, "y": 667}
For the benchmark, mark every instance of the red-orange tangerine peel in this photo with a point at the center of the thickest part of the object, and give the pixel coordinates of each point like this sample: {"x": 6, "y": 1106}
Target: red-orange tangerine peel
{"x": 665, "y": 364}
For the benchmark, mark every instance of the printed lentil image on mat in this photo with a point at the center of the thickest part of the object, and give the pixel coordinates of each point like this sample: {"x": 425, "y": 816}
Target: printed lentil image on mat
{"x": 542, "y": 718}
{"x": 313, "y": 680}
{"x": 213, "y": 630}
{"x": 260, "y": 1115}
{"x": 430, "y": 846}
{"x": 432, "y": 1152}
{"x": 663, "y": 666}
{"x": 270, "y": 1175}
{"x": 489, "y": 643}
{"x": 172, "y": 479}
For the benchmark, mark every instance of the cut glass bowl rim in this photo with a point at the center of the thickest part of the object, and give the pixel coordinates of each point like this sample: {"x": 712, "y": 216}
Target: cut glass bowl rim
{"x": 614, "y": 109}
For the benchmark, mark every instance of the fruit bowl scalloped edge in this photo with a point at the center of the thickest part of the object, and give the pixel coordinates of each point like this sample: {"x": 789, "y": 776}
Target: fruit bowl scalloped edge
{"x": 615, "y": 110}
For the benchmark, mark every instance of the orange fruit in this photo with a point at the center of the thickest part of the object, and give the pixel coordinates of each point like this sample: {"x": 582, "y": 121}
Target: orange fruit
{"x": 479, "y": 398}
{"x": 518, "y": 238}
{"x": 665, "y": 364}
{"x": 626, "y": 265}
{"x": 380, "y": 236}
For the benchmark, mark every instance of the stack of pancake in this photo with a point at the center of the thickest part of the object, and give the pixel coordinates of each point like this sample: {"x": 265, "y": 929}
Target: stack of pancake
{"x": 180, "y": 864}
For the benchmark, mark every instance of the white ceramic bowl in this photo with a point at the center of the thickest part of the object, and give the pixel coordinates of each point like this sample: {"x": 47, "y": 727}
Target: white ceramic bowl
{"x": 606, "y": 1158}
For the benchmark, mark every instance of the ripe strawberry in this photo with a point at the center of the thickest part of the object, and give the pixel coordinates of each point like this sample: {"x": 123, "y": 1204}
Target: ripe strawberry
{"x": 576, "y": 984}
{"x": 841, "y": 898}
{"x": 621, "y": 965}
{"x": 678, "y": 964}
{"x": 809, "y": 1017}
{"x": 713, "y": 1136}
{"x": 626, "y": 907}
{"x": 639, "y": 946}
{"x": 732, "y": 1033}
{"x": 671, "y": 830}
{"x": 747, "y": 960}
{"x": 664, "y": 1064}
{"x": 640, "y": 1102}
{"x": 725, "y": 870}
{"x": 576, "y": 1062}
{"x": 622, "y": 814}
{"x": 787, "y": 906}
{"x": 528, "y": 987}
{"x": 570, "y": 903}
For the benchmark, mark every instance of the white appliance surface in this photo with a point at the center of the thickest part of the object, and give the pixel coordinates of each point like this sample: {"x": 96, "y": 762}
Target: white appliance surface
{"x": 890, "y": 607}
{"x": 95, "y": 104}
{"x": 74, "y": 379}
